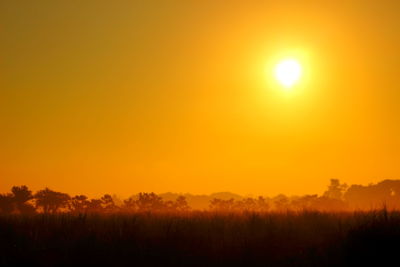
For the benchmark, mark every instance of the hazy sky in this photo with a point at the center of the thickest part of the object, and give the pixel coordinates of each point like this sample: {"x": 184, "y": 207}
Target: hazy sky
{"x": 127, "y": 96}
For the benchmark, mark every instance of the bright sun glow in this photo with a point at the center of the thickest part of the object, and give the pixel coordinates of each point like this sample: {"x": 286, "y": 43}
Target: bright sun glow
{"x": 288, "y": 72}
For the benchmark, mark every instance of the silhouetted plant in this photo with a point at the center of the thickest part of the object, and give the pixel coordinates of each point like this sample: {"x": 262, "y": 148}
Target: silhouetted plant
{"x": 95, "y": 205}
{"x": 21, "y": 196}
{"x": 247, "y": 204}
{"x": 108, "y": 203}
{"x": 79, "y": 204}
{"x": 259, "y": 204}
{"x": 262, "y": 204}
{"x": 222, "y": 205}
{"x": 281, "y": 202}
{"x": 181, "y": 204}
{"x": 129, "y": 205}
{"x": 6, "y": 203}
{"x": 335, "y": 189}
{"x": 374, "y": 196}
{"x": 51, "y": 201}
{"x": 336, "y": 198}
{"x": 149, "y": 202}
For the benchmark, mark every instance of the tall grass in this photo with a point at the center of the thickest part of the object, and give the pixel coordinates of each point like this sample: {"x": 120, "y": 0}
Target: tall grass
{"x": 200, "y": 239}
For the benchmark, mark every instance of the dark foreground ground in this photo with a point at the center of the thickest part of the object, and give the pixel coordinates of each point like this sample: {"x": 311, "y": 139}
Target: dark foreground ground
{"x": 202, "y": 239}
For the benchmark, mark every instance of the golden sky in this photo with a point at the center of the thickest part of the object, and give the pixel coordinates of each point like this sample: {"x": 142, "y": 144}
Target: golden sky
{"x": 127, "y": 96}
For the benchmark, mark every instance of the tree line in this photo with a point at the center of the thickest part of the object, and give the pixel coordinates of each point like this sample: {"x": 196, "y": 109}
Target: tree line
{"x": 21, "y": 200}
{"x": 337, "y": 197}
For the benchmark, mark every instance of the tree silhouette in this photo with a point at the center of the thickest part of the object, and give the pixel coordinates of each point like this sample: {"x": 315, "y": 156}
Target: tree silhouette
{"x": 6, "y": 203}
{"x": 304, "y": 202}
{"x": 262, "y": 204}
{"x": 374, "y": 196}
{"x": 335, "y": 189}
{"x": 181, "y": 204}
{"x": 149, "y": 202}
{"x": 129, "y": 205}
{"x": 247, "y": 204}
{"x": 21, "y": 195}
{"x": 108, "y": 203}
{"x": 95, "y": 205}
{"x": 281, "y": 202}
{"x": 217, "y": 204}
{"x": 51, "y": 201}
{"x": 79, "y": 204}
{"x": 259, "y": 204}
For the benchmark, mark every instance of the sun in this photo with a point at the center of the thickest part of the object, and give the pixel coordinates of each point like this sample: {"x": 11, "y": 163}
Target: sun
{"x": 288, "y": 72}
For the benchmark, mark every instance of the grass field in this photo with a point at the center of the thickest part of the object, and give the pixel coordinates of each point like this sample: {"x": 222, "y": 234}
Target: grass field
{"x": 201, "y": 239}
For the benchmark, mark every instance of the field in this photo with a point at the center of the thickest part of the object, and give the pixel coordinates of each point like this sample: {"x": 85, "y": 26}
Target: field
{"x": 201, "y": 239}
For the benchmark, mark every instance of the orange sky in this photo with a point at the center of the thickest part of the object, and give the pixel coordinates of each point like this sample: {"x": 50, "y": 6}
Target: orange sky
{"x": 99, "y": 97}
